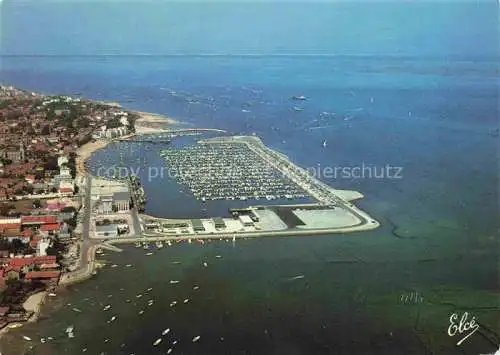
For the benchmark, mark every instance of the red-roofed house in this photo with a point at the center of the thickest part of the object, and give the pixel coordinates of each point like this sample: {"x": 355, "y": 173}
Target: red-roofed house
{"x": 10, "y": 227}
{"x": 38, "y": 220}
{"x": 65, "y": 190}
{"x": 49, "y": 266}
{"x": 28, "y": 233}
{"x": 55, "y": 206}
{"x": 4, "y": 311}
{"x": 47, "y": 259}
{"x": 38, "y": 260}
{"x": 30, "y": 178}
{"x": 52, "y": 275}
{"x": 18, "y": 263}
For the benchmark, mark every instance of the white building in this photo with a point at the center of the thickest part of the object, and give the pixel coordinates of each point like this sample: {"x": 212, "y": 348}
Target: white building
{"x": 124, "y": 120}
{"x": 8, "y": 220}
{"x": 246, "y": 220}
{"x": 62, "y": 160}
{"x": 41, "y": 247}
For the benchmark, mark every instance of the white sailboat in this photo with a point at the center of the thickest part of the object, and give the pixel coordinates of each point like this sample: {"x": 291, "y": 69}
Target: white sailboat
{"x": 324, "y": 144}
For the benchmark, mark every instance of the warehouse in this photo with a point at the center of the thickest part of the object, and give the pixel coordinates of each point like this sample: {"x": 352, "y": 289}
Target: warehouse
{"x": 246, "y": 220}
{"x": 197, "y": 225}
{"x": 219, "y": 223}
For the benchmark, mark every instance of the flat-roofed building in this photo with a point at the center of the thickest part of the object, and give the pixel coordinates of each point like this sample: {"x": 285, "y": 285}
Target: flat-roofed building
{"x": 246, "y": 220}
{"x": 197, "y": 225}
{"x": 105, "y": 205}
{"x": 121, "y": 201}
{"x": 108, "y": 231}
{"x": 219, "y": 223}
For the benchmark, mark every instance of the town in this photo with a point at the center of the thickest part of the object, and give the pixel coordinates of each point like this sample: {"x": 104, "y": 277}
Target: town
{"x": 42, "y": 190}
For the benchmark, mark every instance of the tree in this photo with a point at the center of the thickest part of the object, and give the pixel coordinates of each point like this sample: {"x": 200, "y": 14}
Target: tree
{"x": 45, "y": 130}
{"x": 37, "y": 203}
{"x": 17, "y": 247}
{"x": 5, "y": 209}
{"x": 4, "y": 244}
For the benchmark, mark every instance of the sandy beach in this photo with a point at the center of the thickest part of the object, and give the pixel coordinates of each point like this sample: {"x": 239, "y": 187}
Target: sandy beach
{"x": 85, "y": 152}
{"x": 34, "y": 304}
{"x": 152, "y": 123}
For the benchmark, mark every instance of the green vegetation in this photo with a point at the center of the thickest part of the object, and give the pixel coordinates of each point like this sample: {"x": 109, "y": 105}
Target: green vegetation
{"x": 15, "y": 293}
{"x": 113, "y": 123}
{"x": 16, "y": 246}
{"x": 57, "y": 248}
{"x": 72, "y": 164}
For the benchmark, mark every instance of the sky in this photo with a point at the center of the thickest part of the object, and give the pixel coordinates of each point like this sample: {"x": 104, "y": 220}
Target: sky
{"x": 407, "y": 28}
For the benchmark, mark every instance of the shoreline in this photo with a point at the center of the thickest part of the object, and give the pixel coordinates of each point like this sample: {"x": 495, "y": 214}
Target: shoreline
{"x": 147, "y": 123}
{"x": 34, "y": 304}
{"x": 150, "y": 123}
{"x": 84, "y": 153}
{"x": 144, "y": 125}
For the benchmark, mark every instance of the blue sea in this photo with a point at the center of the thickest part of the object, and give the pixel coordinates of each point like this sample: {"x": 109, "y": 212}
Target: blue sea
{"x": 425, "y": 102}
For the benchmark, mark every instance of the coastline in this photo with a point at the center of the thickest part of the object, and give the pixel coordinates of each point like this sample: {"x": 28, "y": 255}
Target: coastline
{"x": 34, "y": 304}
{"x": 85, "y": 152}
{"x": 150, "y": 123}
{"x": 147, "y": 123}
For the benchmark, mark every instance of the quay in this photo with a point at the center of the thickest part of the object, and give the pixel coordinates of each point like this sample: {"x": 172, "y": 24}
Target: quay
{"x": 165, "y": 136}
{"x": 330, "y": 212}
{"x": 150, "y": 141}
{"x": 255, "y": 171}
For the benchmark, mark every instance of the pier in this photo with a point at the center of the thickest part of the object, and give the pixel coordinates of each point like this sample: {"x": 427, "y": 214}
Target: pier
{"x": 242, "y": 167}
{"x": 144, "y": 140}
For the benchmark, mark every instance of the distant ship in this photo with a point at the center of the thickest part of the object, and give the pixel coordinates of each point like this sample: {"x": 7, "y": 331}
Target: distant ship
{"x": 300, "y": 97}
{"x": 324, "y": 144}
{"x": 298, "y": 109}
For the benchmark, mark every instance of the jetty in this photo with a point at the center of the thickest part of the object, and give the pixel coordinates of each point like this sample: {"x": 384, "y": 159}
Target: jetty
{"x": 242, "y": 167}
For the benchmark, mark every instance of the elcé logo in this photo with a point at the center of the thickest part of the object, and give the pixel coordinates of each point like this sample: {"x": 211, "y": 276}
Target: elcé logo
{"x": 463, "y": 326}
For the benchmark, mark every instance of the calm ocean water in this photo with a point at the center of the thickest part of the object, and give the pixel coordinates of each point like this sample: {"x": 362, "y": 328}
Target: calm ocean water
{"x": 433, "y": 116}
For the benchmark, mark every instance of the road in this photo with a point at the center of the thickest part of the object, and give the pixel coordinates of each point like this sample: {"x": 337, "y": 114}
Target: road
{"x": 85, "y": 248}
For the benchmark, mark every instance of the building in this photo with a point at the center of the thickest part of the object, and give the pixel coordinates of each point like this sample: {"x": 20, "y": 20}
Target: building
{"x": 246, "y": 220}
{"x": 197, "y": 225}
{"x": 62, "y": 160}
{"x": 41, "y": 248}
{"x": 24, "y": 264}
{"x": 66, "y": 188}
{"x": 255, "y": 216}
{"x": 9, "y": 220}
{"x": 121, "y": 201}
{"x": 65, "y": 172}
{"x": 219, "y": 223}
{"x": 7, "y": 224}
{"x": 14, "y": 154}
{"x": 107, "y": 231}
{"x": 116, "y": 132}
{"x": 42, "y": 275}
{"x": 105, "y": 205}
{"x": 37, "y": 221}
{"x": 11, "y": 235}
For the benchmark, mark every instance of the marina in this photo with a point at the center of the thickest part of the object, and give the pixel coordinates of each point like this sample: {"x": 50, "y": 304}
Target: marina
{"x": 229, "y": 171}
